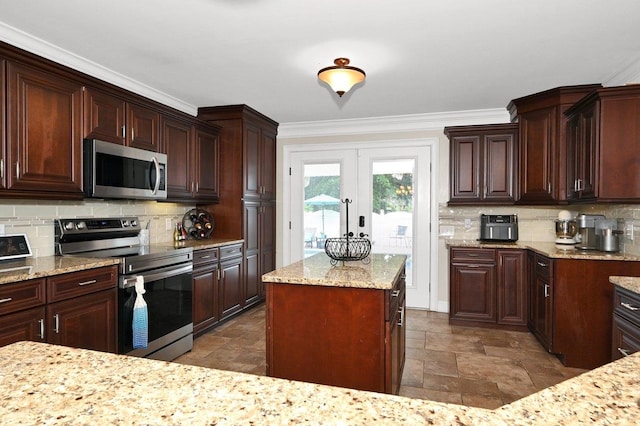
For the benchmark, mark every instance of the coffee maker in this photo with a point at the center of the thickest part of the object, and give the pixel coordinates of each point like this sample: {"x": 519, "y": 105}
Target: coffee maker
{"x": 587, "y": 237}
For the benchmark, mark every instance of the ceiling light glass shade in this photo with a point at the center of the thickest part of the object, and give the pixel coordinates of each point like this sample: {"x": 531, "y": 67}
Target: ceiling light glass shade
{"x": 341, "y": 77}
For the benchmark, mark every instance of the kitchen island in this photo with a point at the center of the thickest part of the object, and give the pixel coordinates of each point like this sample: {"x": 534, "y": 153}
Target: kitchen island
{"x": 338, "y": 325}
{"x": 55, "y": 385}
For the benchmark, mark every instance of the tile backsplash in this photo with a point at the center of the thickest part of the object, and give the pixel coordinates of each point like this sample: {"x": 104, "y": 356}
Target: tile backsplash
{"x": 535, "y": 223}
{"x": 35, "y": 218}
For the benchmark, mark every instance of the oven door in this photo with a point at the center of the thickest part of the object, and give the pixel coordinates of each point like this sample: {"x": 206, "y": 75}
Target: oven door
{"x": 168, "y": 295}
{"x": 116, "y": 171}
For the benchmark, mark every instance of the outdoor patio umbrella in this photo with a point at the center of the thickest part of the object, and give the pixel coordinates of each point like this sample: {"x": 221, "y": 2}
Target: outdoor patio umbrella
{"x": 322, "y": 200}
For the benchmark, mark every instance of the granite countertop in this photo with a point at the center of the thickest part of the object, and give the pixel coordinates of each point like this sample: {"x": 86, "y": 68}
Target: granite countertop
{"x": 549, "y": 249}
{"x": 48, "y": 384}
{"x": 40, "y": 267}
{"x": 206, "y": 244}
{"x": 380, "y": 273}
{"x": 628, "y": 283}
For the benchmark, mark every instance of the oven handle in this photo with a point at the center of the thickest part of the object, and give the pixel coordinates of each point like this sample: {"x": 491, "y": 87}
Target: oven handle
{"x": 155, "y": 275}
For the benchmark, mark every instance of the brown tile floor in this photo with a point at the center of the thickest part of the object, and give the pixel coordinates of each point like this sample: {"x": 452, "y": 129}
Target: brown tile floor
{"x": 462, "y": 365}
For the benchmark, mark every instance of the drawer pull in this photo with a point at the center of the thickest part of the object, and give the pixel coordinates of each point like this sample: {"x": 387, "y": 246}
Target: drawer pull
{"x": 546, "y": 290}
{"x": 473, "y": 254}
{"x": 8, "y": 299}
{"x": 56, "y": 323}
{"x": 630, "y": 307}
{"x": 395, "y": 293}
{"x": 88, "y": 282}
{"x": 401, "y": 312}
{"x": 544, "y": 265}
{"x": 205, "y": 257}
{"x": 624, "y": 352}
{"x": 41, "y": 322}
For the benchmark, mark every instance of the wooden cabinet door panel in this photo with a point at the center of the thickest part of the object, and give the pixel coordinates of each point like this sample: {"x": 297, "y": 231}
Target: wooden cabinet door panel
{"x": 465, "y": 165}
{"x": 512, "y": 296}
{"x": 25, "y": 325}
{"x": 207, "y": 152}
{"x": 44, "y": 122}
{"x": 537, "y": 130}
{"x": 589, "y": 152}
{"x": 205, "y": 298}
{"x": 176, "y": 136}
{"x": 87, "y": 322}
{"x": 268, "y": 165}
{"x": 144, "y": 127}
{"x": 231, "y": 297}
{"x": 500, "y": 167}
{"x": 104, "y": 117}
{"x": 3, "y": 124}
{"x": 473, "y": 292}
{"x": 626, "y": 338}
{"x": 252, "y": 161}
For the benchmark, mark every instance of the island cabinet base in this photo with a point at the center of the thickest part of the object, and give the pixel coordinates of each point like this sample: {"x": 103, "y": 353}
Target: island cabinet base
{"x": 339, "y": 336}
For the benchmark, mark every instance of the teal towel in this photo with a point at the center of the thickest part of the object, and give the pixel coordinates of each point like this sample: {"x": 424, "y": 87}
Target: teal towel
{"x": 140, "y": 317}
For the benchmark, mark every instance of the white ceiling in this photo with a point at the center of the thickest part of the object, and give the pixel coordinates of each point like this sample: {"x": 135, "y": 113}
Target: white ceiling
{"x": 420, "y": 56}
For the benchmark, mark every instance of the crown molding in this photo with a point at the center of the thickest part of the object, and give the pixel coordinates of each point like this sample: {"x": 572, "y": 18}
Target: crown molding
{"x": 54, "y": 53}
{"x": 392, "y": 124}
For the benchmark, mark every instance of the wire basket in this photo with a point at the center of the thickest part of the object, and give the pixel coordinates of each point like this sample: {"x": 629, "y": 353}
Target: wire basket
{"x": 347, "y": 249}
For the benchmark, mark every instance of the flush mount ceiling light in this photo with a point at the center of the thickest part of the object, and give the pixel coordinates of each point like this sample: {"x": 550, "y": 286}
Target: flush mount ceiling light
{"x": 341, "y": 77}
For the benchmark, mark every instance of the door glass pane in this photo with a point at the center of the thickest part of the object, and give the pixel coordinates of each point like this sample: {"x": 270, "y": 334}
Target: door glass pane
{"x": 392, "y": 204}
{"x": 321, "y": 205}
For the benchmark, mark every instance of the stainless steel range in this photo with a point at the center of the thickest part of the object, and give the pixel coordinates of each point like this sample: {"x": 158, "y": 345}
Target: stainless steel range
{"x": 167, "y": 274}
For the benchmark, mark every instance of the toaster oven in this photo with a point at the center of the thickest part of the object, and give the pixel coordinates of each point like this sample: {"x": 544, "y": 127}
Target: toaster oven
{"x": 499, "y": 227}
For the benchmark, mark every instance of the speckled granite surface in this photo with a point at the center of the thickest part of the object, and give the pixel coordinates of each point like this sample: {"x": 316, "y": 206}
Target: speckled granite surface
{"x": 380, "y": 273}
{"x": 552, "y": 250}
{"x": 205, "y": 244}
{"x": 39, "y": 267}
{"x": 47, "y": 384}
{"x": 629, "y": 283}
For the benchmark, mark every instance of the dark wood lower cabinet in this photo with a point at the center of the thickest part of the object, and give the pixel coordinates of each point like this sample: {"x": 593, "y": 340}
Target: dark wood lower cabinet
{"x": 77, "y": 309}
{"x": 87, "y": 322}
{"x": 339, "y": 336}
{"x": 218, "y": 285}
{"x": 488, "y": 287}
{"x": 626, "y": 323}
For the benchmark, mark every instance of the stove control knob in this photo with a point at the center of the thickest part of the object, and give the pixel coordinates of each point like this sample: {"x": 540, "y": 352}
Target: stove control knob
{"x": 125, "y": 223}
{"x": 68, "y": 226}
{"x": 81, "y": 225}
{"x": 134, "y": 223}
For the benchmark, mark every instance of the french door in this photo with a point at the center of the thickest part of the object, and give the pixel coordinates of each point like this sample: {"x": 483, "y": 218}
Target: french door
{"x": 389, "y": 194}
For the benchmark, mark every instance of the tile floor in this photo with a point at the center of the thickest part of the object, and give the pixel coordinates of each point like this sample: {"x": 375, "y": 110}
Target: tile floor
{"x": 461, "y": 365}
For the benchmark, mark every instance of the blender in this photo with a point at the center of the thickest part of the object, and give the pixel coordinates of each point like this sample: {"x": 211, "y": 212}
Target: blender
{"x": 566, "y": 228}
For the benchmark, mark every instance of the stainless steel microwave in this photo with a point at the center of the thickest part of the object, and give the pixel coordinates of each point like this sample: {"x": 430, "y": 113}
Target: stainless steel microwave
{"x": 116, "y": 171}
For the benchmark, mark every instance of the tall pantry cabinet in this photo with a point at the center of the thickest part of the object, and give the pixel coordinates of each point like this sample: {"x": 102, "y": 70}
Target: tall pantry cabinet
{"x": 247, "y": 189}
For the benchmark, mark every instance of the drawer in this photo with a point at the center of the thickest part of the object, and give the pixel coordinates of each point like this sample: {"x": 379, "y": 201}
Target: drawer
{"x": 544, "y": 266}
{"x": 66, "y": 286}
{"x": 22, "y": 295}
{"x": 626, "y": 338}
{"x": 205, "y": 257}
{"x": 227, "y": 252}
{"x": 460, "y": 254}
{"x": 627, "y": 305}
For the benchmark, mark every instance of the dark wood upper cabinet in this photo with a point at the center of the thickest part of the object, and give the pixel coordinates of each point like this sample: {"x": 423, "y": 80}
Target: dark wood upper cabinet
{"x": 542, "y": 141}
{"x": 193, "y": 156}
{"x": 604, "y": 146}
{"x": 44, "y": 133}
{"x": 483, "y": 164}
{"x": 113, "y": 119}
{"x": 3, "y": 124}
